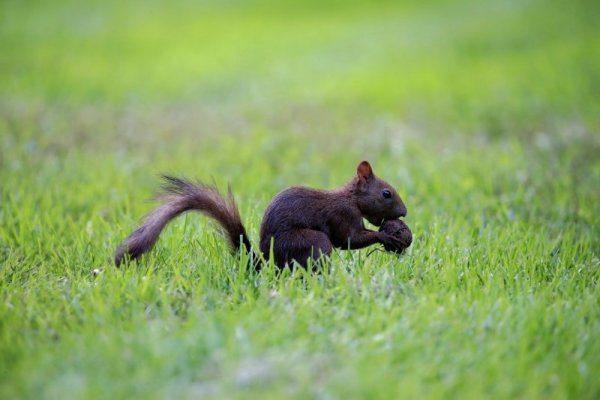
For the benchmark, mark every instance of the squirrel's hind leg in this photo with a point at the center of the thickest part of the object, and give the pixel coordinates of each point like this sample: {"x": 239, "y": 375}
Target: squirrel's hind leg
{"x": 300, "y": 245}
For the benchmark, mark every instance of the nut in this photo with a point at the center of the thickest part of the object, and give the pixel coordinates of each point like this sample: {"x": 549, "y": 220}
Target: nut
{"x": 398, "y": 229}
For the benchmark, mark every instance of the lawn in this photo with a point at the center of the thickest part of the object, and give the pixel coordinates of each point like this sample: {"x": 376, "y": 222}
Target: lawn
{"x": 484, "y": 115}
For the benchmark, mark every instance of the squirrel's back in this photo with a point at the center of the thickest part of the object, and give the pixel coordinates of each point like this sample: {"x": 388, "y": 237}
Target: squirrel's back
{"x": 298, "y": 208}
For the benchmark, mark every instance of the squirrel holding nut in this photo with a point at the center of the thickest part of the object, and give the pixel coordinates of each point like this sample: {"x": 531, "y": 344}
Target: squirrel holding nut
{"x": 300, "y": 223}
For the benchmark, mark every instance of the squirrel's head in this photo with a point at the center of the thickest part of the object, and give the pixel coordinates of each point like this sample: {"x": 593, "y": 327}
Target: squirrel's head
{"x": 377, "y": 200}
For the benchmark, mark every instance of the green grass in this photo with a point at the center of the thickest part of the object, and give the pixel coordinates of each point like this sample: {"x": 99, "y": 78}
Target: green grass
{"x": 484, "y": 115}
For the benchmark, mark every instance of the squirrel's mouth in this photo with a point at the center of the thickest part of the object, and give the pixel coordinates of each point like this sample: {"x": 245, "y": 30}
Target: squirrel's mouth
{"x": 378, "y": 221}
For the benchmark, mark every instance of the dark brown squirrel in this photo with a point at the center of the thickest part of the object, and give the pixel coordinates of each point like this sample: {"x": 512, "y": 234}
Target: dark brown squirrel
{"x": 300, "y": 222}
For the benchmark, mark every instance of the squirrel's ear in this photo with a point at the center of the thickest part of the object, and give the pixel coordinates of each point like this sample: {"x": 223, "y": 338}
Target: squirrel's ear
{"x": 364, "y": 170}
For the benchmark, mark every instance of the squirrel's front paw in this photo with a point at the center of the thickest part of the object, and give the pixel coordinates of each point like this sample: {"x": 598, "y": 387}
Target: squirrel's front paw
{"x": 389, "y": 241}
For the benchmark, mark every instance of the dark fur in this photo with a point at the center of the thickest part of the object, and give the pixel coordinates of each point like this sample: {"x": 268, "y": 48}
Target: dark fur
{"x": 302, "y": 223}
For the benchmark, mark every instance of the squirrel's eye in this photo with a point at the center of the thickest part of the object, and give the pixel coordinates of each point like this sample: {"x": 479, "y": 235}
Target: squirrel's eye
{"x": 386, "y": 193}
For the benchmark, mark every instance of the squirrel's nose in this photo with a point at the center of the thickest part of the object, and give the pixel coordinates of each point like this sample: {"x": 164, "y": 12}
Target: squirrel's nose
{"x": 403, "y": 211}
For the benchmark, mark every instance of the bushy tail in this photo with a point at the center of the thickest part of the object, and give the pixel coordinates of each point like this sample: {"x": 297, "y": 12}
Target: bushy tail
{"x": 181, "y": 196}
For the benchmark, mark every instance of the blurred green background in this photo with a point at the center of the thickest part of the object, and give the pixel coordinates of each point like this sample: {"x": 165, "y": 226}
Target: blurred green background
{"x": 484, "y": 115}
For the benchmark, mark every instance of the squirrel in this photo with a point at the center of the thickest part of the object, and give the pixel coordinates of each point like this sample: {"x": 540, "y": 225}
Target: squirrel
{"x": 300, "y": 223}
